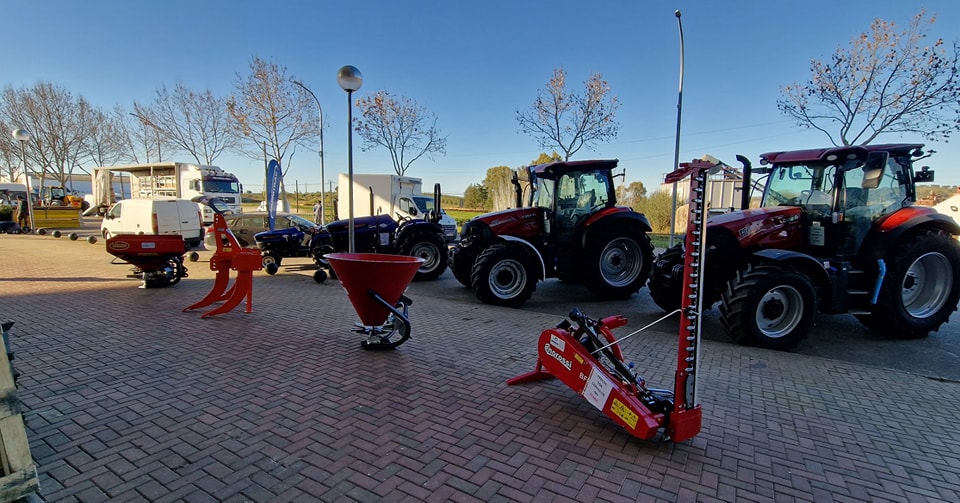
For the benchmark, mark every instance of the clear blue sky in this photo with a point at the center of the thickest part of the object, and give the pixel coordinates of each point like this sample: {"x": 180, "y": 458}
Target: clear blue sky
{"x": 473, "y": 64}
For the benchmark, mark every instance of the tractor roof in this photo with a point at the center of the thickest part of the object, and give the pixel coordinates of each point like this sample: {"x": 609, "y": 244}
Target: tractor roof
{"x": 564, "y": 166}
{"x": 821, "y": 154}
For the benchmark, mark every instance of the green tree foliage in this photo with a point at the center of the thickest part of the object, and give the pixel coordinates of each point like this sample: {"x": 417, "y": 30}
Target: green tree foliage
{"x": 884, "y": 82}
{"x": 476, "y": 197}
{"x": 500, "y": 192}
{"x": 631, "y": 195}
{"x": 657, "y": 209}
{"x": 570, "y": 121}
{"x": 402, "y": 126}
{"x": 546, "y": 159}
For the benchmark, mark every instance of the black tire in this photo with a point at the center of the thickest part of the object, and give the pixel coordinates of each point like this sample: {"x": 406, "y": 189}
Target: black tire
{"x": 84, "y": 206}
{"x": 664, "y": 290}
{"x": 271, "y": 262}
{"x": 921, "y": 287}
{"x": 617, "y": 263}
{"x": 431, "y": 248}
{"x": 320, "y": 276}
{"x": 503, "y": 275}
{"x": 768, "y": 306}
{"x": 462, "y": 266}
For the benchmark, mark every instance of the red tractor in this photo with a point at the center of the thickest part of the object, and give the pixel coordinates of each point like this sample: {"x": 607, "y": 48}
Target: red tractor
{"x": 572, "y": 230}
{"x": 835, "y": 231}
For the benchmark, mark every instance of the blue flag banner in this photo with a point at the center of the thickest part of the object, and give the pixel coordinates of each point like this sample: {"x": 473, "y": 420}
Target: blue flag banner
{"x": 274, "y": 174}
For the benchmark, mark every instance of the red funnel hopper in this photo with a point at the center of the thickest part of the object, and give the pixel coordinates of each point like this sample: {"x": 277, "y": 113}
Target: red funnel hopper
{"x": 387, "y": 275}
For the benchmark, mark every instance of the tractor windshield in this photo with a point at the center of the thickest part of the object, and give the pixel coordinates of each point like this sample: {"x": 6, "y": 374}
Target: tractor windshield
{"x": 808, "y": 186}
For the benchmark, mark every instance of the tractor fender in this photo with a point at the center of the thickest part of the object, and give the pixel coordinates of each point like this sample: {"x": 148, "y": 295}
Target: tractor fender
{"x": 893, "y": 228}
{"x": 613, "y": 217}
{"x": 800, "y": 261}
{"x": 412, "y": 226}
{"x": 531, "y": 249}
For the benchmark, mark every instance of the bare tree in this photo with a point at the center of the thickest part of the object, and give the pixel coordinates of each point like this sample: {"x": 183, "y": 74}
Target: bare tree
{"x": 402, "y": 126}
{"x": 195, "y": 123}
{"x": 568, "y": 121}
{"x": 58, "y": 123}
{"x": 270, "y": 114}
{"x": 883, "y": 83}
{"x": 106, "y": 142}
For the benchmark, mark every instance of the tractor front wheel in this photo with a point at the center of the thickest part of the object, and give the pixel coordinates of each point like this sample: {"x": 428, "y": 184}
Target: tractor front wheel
{"x": 462, "y": 266}
{"x": 617, "y": 263}
{"x": 768, "y": 306}
{"x": 921, "y": 288}
{"x": 665, "y": 289}
{"x": 503, "y": 275}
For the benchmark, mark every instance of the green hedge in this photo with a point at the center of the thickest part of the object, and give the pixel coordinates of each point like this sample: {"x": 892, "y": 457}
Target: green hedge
{"x": 6, "y": 213}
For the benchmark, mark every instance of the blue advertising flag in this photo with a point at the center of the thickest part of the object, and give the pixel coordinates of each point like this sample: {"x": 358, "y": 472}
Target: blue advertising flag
{"x": 274, "y": 174}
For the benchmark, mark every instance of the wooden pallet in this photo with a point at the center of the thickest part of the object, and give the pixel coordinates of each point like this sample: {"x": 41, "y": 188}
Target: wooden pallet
{"x": 18, "y": 474}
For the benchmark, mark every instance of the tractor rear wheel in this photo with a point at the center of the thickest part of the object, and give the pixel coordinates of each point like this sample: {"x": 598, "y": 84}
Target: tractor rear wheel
{"x": 617, "y": 263}
{"x": 768, "y": 306}
{"x": 503, "y": 275}
{"x": 431, "y": 248}
{"x": 664, "y": 289}
{"x": 921, "y": 288}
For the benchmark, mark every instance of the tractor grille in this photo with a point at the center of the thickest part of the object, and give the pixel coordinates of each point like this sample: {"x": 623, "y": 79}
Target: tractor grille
{"x": 450, "y": 231}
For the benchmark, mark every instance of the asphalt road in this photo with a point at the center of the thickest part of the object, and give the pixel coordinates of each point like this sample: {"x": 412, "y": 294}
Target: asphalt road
{"x": 836, "y": 337}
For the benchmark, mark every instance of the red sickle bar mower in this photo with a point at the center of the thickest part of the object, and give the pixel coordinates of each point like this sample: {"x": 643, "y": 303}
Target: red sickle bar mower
{"x": 587, "y": 357}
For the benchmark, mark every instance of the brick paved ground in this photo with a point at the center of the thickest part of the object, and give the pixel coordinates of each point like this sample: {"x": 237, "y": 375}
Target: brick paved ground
{"x": 129, "y": 399}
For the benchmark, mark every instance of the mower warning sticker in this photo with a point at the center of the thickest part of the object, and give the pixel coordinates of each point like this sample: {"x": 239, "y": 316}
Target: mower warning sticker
{"x": 558, "y": 342}
{"x": 623, "y": 412}
{"x": 597, "y": 389}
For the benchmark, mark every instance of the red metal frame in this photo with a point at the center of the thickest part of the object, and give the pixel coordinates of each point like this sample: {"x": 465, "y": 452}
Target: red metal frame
{"x": 561, "y": 355}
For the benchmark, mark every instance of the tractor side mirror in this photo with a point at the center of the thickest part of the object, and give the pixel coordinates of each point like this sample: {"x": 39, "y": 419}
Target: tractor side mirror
{"x": 924, "y": 175}
{"x": 873, "y": 169}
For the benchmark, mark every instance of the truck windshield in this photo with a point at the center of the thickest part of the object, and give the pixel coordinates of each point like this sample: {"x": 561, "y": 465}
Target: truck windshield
{"x": 221, "y": 186}
{"x": 424, "y": 204}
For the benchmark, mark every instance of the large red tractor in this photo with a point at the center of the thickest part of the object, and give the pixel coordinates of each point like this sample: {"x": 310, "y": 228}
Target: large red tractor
{"x": 835, "y": 231}
{"x": 573, "y": 230}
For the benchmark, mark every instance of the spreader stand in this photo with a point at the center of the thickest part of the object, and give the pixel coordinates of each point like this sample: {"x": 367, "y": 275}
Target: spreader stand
{"x": 398, "y": 323}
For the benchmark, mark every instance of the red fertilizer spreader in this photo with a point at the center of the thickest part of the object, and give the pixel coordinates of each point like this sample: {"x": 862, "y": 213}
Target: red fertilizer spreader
{"x": 156, "y": 259}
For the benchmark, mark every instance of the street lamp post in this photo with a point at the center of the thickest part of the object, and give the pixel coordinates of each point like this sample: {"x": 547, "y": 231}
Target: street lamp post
{"x": 676, "y": 150}
{"x": 323, "y": 194}
{"x": 23, "y": 136}
{"x": 350, "y": 80}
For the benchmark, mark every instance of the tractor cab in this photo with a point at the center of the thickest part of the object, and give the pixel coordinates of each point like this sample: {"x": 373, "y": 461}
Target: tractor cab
{"x": 842, "y": 197}
{"x": 569, "y": 193}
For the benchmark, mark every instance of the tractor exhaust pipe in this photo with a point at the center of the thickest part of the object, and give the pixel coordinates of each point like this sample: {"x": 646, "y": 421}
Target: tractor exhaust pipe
{"x": 745, "y": 189}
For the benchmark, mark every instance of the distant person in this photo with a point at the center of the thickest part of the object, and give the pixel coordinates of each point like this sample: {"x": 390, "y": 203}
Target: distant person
{"x": 23, "y": 214}
{"x": 317, "y": 207}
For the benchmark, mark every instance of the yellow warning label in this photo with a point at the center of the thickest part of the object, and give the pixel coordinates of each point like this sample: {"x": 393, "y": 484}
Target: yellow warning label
{"x": 624, "y": 412}
{"x": 579, "y": 358}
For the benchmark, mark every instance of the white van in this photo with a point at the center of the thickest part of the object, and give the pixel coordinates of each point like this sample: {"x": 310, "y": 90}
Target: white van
{"x": 154, "y": 216}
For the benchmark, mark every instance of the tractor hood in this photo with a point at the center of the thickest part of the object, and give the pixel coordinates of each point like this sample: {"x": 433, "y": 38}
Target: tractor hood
{"x": 512, "y": 222}
{"x": 768, "y": 227}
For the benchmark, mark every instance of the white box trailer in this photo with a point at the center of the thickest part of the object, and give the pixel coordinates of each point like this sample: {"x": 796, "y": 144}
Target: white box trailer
{"x": 165, "y": 180}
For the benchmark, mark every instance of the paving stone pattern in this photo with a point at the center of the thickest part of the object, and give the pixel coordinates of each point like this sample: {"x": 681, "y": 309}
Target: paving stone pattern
{"x": 129, "y": 399}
